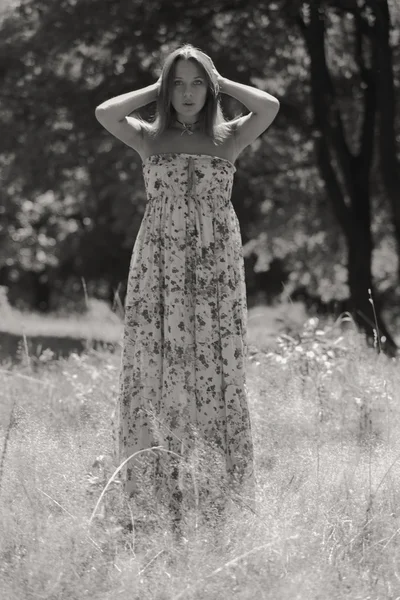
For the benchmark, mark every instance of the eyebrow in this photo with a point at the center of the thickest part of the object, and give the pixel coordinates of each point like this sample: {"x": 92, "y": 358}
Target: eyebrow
{"x": 197, "y": 77}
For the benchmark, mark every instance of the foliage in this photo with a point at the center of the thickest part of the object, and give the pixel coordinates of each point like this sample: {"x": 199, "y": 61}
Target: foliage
{"x": 73, "y": 196}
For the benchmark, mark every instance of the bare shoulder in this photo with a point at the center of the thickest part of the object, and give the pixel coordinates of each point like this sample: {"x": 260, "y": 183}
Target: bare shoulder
{"x": 249, "y": 127}
{"x": 171, "y": 141}
{"x": 129, "y": 130}
{"x": 148, "y": 140}
{"x": 227, "y": 131}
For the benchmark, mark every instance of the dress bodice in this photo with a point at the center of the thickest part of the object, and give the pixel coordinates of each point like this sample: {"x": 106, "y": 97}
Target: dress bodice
{"x": 180, "y": 175}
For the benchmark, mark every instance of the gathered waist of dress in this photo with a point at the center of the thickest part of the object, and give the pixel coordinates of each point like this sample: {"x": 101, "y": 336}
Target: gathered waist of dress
{"x": 208, "y": 181}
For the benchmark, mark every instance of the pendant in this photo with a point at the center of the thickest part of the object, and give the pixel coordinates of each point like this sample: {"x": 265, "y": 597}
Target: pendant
{"x": 187, "y": 129}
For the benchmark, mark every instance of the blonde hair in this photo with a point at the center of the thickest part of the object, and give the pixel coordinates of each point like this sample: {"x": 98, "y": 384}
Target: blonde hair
{"x": 211, "y": 116}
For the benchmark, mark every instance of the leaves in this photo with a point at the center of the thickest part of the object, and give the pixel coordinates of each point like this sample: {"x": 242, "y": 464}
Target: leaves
{"x": 59, "y": 60}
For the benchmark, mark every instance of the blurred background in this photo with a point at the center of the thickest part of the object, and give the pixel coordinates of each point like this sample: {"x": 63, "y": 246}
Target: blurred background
{"x": 317, "y": 195}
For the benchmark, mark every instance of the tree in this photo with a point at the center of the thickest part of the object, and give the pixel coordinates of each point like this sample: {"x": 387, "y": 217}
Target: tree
{"x": 66, "y": 58}
{"x": 346, "y": 173}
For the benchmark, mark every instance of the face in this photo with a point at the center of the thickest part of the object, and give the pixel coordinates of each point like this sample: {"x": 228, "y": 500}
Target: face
{"x": 189, "y": 90}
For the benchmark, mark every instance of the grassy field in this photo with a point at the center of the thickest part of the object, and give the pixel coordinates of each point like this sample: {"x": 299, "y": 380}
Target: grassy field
{"x": 325, "y": 412}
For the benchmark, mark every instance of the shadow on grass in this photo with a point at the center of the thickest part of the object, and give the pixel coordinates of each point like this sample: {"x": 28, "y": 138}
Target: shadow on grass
{"x": 16, "y": 348}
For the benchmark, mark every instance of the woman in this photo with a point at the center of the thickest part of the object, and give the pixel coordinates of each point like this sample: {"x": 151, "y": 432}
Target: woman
{"x": 183, "y": 382}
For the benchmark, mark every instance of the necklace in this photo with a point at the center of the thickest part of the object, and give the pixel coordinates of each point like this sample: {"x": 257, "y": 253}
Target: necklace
{"x": 187, "y": 127}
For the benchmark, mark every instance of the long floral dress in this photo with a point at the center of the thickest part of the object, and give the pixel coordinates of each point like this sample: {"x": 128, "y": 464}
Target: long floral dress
{"x": 183, "y": 380}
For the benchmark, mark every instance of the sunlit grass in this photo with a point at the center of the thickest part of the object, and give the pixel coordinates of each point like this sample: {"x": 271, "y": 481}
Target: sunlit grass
{"x": 325, "y": 413}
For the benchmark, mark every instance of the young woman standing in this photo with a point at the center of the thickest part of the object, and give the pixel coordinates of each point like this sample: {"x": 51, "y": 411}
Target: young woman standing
{"x": 183, "y": 380}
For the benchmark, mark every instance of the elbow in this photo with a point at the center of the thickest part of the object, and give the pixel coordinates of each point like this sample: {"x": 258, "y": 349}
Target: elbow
{"x": 271, "y": 109}
{"x": 99, "y": 112}
{"x": 103, "y": 116}
{"x": 274, "y": 109}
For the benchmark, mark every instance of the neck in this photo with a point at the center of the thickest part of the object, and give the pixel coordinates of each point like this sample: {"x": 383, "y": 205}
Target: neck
{"x": 188, "y": 119}
{"x": 188, "y": 127}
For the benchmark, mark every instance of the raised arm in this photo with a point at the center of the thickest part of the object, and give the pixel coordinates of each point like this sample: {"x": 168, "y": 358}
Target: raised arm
{"x": 114, "y": 114}
{"x": 262, "y": 106}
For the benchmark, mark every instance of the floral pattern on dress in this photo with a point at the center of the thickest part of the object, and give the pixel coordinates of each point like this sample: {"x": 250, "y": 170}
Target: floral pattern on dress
{"x": 183, "y": 373}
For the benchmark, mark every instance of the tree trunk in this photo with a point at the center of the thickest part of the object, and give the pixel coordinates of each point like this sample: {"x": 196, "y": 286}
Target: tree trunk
{"x": 360, "y": 247}
{"x": 383, "y": 70}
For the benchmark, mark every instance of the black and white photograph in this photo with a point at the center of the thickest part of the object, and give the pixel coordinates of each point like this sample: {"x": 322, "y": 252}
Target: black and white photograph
{"x": 199, "y": 300}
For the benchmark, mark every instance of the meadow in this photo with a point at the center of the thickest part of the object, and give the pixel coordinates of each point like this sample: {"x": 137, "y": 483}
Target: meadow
{"x": 325, "y": 412}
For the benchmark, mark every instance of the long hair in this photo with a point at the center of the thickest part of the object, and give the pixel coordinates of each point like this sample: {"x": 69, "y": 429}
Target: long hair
{"x": 212, "y": 120}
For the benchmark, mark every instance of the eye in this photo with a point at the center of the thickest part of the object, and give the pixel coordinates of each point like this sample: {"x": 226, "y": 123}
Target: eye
{"x": 198, "y": 81}
{"x": 177, "y": 82}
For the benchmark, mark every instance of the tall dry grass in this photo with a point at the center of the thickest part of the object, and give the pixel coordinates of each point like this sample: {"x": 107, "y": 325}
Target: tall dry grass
{"x": 325, "y": 412}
